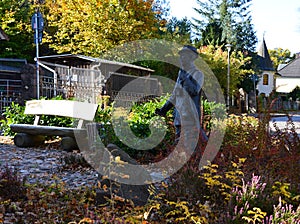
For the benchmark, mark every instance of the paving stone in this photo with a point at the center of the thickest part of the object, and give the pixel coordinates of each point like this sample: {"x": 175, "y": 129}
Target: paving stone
{"x": 41, "y": 165}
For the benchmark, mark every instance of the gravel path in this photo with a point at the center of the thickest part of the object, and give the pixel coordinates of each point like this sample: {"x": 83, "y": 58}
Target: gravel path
{"x": 45, "y": 165}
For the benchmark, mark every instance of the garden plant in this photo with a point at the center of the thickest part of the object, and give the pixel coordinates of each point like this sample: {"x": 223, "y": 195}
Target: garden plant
{"x": 253, "y": 179}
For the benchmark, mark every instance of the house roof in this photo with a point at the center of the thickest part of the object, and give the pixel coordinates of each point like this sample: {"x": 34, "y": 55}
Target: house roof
{"x": 291, "y": 70}
{"x": 9, "y": 65}
{"x": 265, "y": 62}
{"x": 73, "y": 60}
{"x": 3, "y": 36}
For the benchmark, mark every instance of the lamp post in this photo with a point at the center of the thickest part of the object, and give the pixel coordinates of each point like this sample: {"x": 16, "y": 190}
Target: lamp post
{"x": 228, "y": 46}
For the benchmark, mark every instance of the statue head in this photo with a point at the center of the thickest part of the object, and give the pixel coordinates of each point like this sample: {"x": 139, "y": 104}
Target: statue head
{"x": 188, "y": 55}
{"x": 190, "y": 51}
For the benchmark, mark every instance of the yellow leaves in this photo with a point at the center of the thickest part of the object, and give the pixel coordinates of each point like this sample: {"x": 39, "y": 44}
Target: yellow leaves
{"x": 83, "y": 221}
{"x": 119, "y": 161}
{"x": 217, "y": 58}
{"x": 296, "y": 198}
{"x": 102, "y": 24}
{"x": 164, "y": 184}
{"x": 182, "y": 205}
{"x": 281, "y": 189}
{"x": 146, "y": 214}
{"x": 256, "y": 215}
{"x": 236, "y": 165}
{"x": 181, "y": 213}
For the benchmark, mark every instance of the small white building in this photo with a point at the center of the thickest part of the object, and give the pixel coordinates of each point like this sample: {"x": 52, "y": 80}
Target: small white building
{"x": 266, "y": 83}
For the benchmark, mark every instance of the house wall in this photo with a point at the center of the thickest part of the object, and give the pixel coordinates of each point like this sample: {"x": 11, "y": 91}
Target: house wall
{"x": 286, "y": 85}
{"x": 262, "y": 87}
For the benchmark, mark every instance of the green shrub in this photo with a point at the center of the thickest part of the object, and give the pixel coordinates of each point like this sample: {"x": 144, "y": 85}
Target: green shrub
{"x": 140, "y": 116}
{"x": 216, "y": 110}
{"x": 14, "y": 114}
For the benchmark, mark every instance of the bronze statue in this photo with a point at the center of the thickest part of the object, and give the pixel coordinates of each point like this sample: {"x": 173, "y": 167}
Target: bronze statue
{"x": 186, "y": 96}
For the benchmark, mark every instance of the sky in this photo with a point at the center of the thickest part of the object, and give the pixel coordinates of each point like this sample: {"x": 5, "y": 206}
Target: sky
{"x": 275, "y": 20}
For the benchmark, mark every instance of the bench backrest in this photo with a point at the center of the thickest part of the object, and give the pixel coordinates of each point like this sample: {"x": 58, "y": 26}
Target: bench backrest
{"x": 64, "y": 108}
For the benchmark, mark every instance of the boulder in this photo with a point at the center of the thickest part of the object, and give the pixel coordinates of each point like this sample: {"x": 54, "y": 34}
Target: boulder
{"x": 120, "y": 185}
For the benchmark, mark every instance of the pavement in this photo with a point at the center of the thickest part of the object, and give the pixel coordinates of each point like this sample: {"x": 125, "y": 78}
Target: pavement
{"x": 45, "y": 165}
{"x": 285, "y": 123}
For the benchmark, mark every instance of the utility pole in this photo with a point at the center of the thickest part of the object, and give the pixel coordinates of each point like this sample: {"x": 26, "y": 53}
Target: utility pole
{"x": 37, "y": 23}
{"x": 228, "y": 46}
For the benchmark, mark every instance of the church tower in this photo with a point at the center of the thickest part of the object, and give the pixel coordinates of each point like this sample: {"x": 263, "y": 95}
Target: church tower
{"x": 266, "y": 82}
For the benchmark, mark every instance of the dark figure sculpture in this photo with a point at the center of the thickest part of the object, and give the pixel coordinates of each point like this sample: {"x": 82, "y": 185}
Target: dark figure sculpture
{"x": 186, "y": 96}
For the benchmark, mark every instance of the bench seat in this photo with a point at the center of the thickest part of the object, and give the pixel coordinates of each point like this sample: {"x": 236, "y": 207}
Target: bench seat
{"x": 46, "y": 130}
{"x": 28, "y": 135}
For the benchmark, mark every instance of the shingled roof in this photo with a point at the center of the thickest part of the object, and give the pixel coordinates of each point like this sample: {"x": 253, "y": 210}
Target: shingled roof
{"x": 291, "y": 70}
{"x": 265, "y": 62}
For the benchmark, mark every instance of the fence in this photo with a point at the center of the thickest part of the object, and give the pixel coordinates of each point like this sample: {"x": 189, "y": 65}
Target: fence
{"x": 10, "y": 91}
{"x": 127, "y": 88}
{"x": 84, "y": 84}
{"x": 90, "y": 84}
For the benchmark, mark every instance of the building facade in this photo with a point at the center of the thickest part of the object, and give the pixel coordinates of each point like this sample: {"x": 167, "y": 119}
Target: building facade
{"x": 266, "y": 83}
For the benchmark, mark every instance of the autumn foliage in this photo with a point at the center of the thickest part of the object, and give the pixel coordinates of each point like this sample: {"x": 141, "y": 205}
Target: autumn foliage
{"x": 92, "y": 27}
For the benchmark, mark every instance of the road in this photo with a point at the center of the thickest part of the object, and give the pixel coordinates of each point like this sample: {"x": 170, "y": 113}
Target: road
{"x": 282, "y": 123}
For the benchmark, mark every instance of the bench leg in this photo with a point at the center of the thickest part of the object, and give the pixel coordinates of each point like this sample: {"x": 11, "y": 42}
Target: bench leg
{"x": 68, "y": 144}
{"x": 26, "y": 140}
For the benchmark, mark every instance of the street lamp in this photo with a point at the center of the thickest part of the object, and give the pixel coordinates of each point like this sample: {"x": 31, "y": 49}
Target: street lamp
{"x": 228, "y": 46}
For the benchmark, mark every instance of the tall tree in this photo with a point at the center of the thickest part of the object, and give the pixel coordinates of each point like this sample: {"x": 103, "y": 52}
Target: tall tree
{"x": 178, "y": 30}
{"x": 175, "y": 33}
{"x": 15, "y": 18}
{"x": 163, "y": 7}
{"x": 91, "y": 27}
{"x": 280, "y": 56}
{"x": 216, "y": 58}
{"x": 225, "y": 21}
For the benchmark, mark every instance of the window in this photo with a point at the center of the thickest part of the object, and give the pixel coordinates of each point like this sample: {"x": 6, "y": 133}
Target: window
{"x": 265, "y": 79}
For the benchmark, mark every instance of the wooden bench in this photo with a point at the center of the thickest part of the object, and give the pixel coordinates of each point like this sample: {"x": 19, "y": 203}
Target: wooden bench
{"x": 29, "y": 135}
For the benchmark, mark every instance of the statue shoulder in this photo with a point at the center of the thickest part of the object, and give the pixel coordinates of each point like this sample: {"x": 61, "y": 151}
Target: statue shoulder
{"x": 196, "y": 73}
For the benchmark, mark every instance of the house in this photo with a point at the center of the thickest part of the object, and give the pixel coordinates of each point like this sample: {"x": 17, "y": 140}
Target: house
{"x": 266, "y": 83}
{"x": 289, "y": 77}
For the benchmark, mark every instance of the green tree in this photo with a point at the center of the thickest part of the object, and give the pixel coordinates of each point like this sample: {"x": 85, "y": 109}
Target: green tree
{"x": 225, "y": 21}
{"x": 91, "y": 27}
{"x": 163, "y": 7}
{"x": 177, "y": 31}
{"x": 15, "y": 19}
{"x": 216, "y": 58}
{"x": 295, "y": 94}
{"x": 280, "y": 56}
